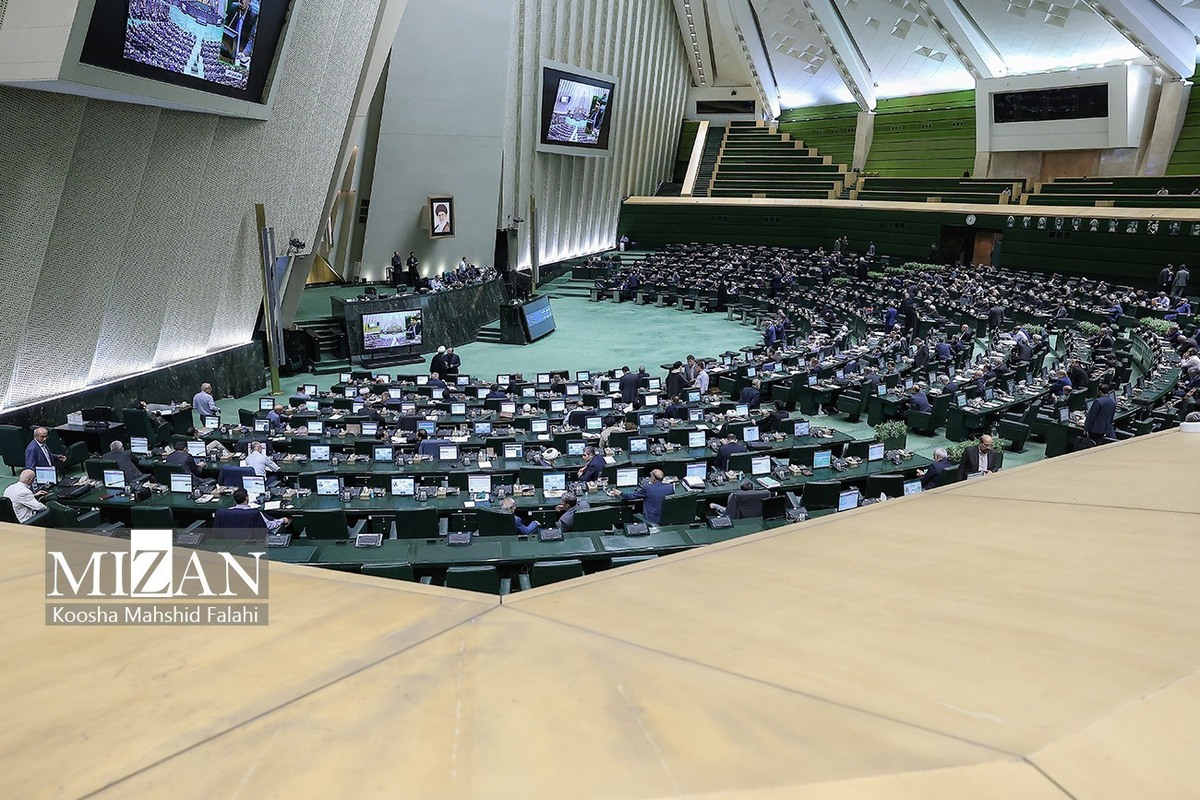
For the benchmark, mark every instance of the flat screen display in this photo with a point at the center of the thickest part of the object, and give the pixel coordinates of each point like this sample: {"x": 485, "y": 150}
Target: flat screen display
{"x": 821, "y": 459}
{"x": 696, "y": 439}
{"x": 576, "y": 110}
{"x": 479, "y": 484}
{"x": 45, "y": 475}
{"x": 223, "y": 47}
{"x": 195, "y": 449}
{"x": 554, "y": 482}
{"x": 328, "y": 487}
{"x": 848, "y": 500}
{"x": 181, "y": 484}
{"x": 627, "y": 476}
{"x": 391, "y": 329}
{"x": 539, "y": 318}
{"x": 760, "y": 465}
{"x": 318, "y": 452}
{"x": 403, "y": 487}
{"x": 139, "y": 445}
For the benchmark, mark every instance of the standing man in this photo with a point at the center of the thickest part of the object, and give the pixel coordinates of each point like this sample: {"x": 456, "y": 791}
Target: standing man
{"x": 1180, "y": 281}
{"x": 397, "y": 267}
{"x": 1098, "y": 425}
{"x": 1165, "y": 277}
{"x": 414, "y": 277}
{"x": 204, "y": 403}
{"x": 24, "y": 502}
{"x": 629, "y": 384}
{"x": 38, "y": 452}
{"x": 453, "y": 362}
{"x": 437, "y": 364}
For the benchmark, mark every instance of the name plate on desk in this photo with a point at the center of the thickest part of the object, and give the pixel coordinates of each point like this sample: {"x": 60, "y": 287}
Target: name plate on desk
{"x": 550, "y": 535}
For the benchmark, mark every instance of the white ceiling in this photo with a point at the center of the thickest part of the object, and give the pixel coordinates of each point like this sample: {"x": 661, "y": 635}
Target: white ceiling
{"x": 836, "y": 51}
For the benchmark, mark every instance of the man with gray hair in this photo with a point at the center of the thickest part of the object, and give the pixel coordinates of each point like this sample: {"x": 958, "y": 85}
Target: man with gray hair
{"x": 24, "y": 502}
{"x": 124, "y": 461}
{"x": 931, "y": 478}
{"x": 568, "y": 504}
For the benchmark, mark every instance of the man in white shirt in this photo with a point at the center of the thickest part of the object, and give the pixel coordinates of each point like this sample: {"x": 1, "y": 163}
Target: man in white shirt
{"x": 24, "y": 502}
{"x": 259, "y": 461}
{"x": 701, "y": 380}
{"x": 203, "y": 402}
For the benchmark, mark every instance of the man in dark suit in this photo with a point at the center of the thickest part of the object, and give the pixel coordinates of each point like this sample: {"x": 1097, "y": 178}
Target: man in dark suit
{"x": 651, "y": 494}
{"x": 38, "y": 452}
{"x": 1078, "y": 375}
{"x": 594, "y": 467}
{"x": 676, "y": 383}
{"x": 437, "y": 364}
{"x": 180, "y": 456}
{"x": 981, "y": 457}
{"x": 752, "y": 394}
{"x": 995, "y": 317}
{"x": 241, "y": 25}
{"x": 919, "y": 400}
{"x": 920, "y": 355}
{"x": 745, "y": 502}
{"x": 124, "y": 461}
{"x": 729, "y": 447}
{"x": 568, "y": 504}
{"x": 1098, "y": 424}
{"x": 453, "y": 362}
{"x": 629, "y": 384}
{"x": 931, "y": 478}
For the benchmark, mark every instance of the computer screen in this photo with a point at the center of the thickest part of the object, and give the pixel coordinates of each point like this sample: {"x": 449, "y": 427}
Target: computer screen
{"x": 350, "y": 393}
{"x": 211, "y": 422}
{"x": 1064, "y": 414}
{"x": 760, "y": 465}
{"x": 653, "y": 384}
{"x": 312, "y": 405}
{"x": 875, "y": 451}
{"x": 483, "y": 429}
{"x": 627, "y": 476}
{"x": 989, "y": 394}
{"x": 697, "y": 470}
{"x": 448, "y": 452}
{"x": 912, "y": 487}
{"x": 458, "y": 409}
{"x": 751, "y": 372}
{"x": 353, "y": 428}
{"x": 741, "y": 410}
{"x": 357, "y": 406}
{"x": 593, "y": 424}
{"x": 508, "y": 407}
{"x": 427, "y": 425}
{"x": 503, "y": 380}
{"x": 750, "y": 433}
{"x": 554, "y": 482}
{"x": 881, "y": 389}
{"x": 345, "y": 377}
{"x": 383, "y": 376}
{"x": 571, "y": 389}
{"x": 391, "y": 329}
{"x": 583, "y": 376}
{"x": 328, "y": 487}
{"x": 114, "y": 479}
{"x": 961, "y": 400}
{"x": 383, "y": 453}
{"x": 512, "y": 450}
{"x": 908, "y": 383}
{"x": 370, "y": 429}
{"x": 800, "y": 428}
{"x": 479, "y": 484}
{"x": 195, "y": 449}
{"x": 638, "y": 444}
{"x": 254, "y": 485}
{"x": 318, "y": 452}
{"x": 574, "y": 448}
{"x": 645, "y": 420}
{"x": 266, "y": 403}
{"x": 422, "y": 380}
{"x": 848, "y": 500}
{"x": 139, "y": 445}
{"x": 45, "y": 475}
{"x": 482, "y": 392}
{"x": 437, "y": 393}
{"x": 543, "y": 377}
{"x": 692, "y": 396}
{"x": 403, "y": 487}
{"x": 812, "y": 380}
{"x": 558, "y": 406}
{"x": 310, "y": 389}
{"x": 821, "y": 459}
{"x": 316, "y": 428}
{"x": 408, "y": 408}
{"x": 650, "y": 400}
{"x": 262, "y": 426}
{"x": 839, "y": 373}
{"x": 604, "y": 403}
{"x": 695, "y": 415}
{"x": 181, "y": 484}
{"x": 539, "y": 425}
{"x": 696, "y": 439}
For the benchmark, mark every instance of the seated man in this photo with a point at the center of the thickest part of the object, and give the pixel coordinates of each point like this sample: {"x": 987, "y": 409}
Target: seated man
{"x": 259, "y": 461}
{"x": 568, "y": 504}
{"x": 931, "y": 478}
{"x": 729, "y": 446}
{"x": 919, "y": 401}
{"x": 594, "y": 467}
{"x": 529, "y": 528}
{"x": 436, "y": 381}
{"x": 429, "y": 446}
{"x": 752, "y": 394}
{"x": 180, "y": 456}
{"x": 241, "y": 515}
{"x": 24, "y": 502}
{"x": 38, "y": 452}
{"x": 275, "y": 419}
{"x": 124, "y": 461}
{"x": 745, "y": 502}
{"x": 495, "y": 393}
{"x": 651, "y": 493}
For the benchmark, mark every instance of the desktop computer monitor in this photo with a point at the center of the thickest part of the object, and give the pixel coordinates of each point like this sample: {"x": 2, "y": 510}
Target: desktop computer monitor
{"x": 528, "y": 391}
{"x": 760, "y": 465}
{"x": 627, "y": 476}
{"x": 479, "y": 484}
{"x": 574, "y": 448}
{"x": 181, "y": 484}
{"x": 114, "y": 479}
{"x": 458, "y": 409}
{"x": 875, "y": 451}
{"x": 696, "y": 439}
{"x": 750, "y": 434}
{"x": 384, "y": 377}
{"x": 1064, "y": 414}
{"x": 692, "y": 396}
{"x": 571, "y": 390}
{"x": 350, "y": 393}
{"x": 554, "y": 482}
{"x": 839, "y": 373}
{"x": 383, "y": 453}
{"x": 593, "y": 423}
{"x": 697, "y": 470}
{"x": 422, "y": 380}
{"x": 821, "y": 459}
{"x": 727, "y": 360}
{"x": 266, "y": 404}
{"x": 262, "y": 426}
{"x": 45, "y": 476}
{"x": 751, "y": 372}
{"x": 357, "y": 406}
{"x": 353, "y": 428}
{"x": 437, "y": 393}
{"x": 741, "y": 410}
{"x": 408, "y": 409}
{"x": 912, "y": 487}
{"x": 650, "y": 400}
{"x": 448, "y": 452}
{"x": 812, "y": 380}
{"x": 514, "y": 450}
{"x": 503, "y": 380}
{"x": 403, "y": 487}
{"x": 370, "y": 429}
{"x": 427, "y": 425}
{"x": 908, "y": 383}
{"x": 800, "y": 428}
{"x": 881, "y": 389}
{"x": 508, "y": 407}
{"x": 328, "y": 487}
{"x": 539, "y": 425}
{"x": 558, "y": 406}
{"x": 318, "y": 452}
{"x": 653, "y": 384}
{"x": 604, "y": 403}
{"x": 483, "y": 429}
{"x": 345, "y": 377}
{"x": 583, "y": 376}
{"x": 645, "y": 420}
{"x": 316, "y": 428}
{"x": 462, "y": 380}
{"x": 312, "y": 405}
{"x": 254, "y": 485}
{"x": 482, "y": 392}
{"x": 310, "y": 389}
{"x": 543, "y": 377}
{"x": 989, "y": 394}
{"x": 139, "y": 445}
{"x": 960, "y": 400}
{"x": 196, "y": 449}
{"x": 211, "y": 422}
{"x": 695, "y": 415}
{"x": 848, "y": 500}
{"x": 639, "y": 444}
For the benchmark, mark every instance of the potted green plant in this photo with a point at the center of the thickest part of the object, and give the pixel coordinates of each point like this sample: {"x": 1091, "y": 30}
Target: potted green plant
{"x": 893, "y": 433}
{"x": 1087, "y": 328}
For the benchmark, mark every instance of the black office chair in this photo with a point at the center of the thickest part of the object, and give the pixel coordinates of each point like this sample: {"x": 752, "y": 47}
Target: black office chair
{"x": 150, "y": 518}
{"x": 418, "y": 523}
{"x": 12, "y": 446}
{"x": 161, "y": 471}
{"x": 678, "y": 509}
{"x": 624, "y": 561}
{"x": 95, "y": 467}
{"x": 401, "y": 571}
{"x": 547, "y": 572}
{"x": 232, "y": 476}
{"x": 7, "y": 514}
{"x": 891, "y": 485}
{"x": 491, "y": 522}
{"x": 596, "y": 519}
{"x": 775, "y": 507}
{"x": 67, "y": 518}
{"x": 330, "y": 523}
{"x": 821, "y": 494}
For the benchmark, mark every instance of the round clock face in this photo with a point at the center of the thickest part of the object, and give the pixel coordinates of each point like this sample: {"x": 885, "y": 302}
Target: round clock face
{"x": 970, "y": 219}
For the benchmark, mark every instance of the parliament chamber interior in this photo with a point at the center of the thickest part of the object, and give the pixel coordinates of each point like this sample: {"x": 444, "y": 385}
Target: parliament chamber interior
{"x": 682, "y": 398}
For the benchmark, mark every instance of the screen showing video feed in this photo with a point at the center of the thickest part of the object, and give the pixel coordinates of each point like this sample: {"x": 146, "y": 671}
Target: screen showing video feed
{"x": 576, "y": 110}
{"x": 391, "y": 329}
{"x": 539, "y": 318}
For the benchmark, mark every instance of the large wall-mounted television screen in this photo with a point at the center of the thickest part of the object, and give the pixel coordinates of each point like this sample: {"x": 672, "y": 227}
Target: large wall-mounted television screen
{"x": 224, "y": 47}
{"x": 391, "y": 329}
{"x": 577, "y": 111}
{"x": 539, "y": 318}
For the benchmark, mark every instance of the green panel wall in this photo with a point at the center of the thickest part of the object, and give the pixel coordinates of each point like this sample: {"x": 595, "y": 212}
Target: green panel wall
{"x": 926, "y": 136}
{"x": 1186, "y": 159}
{"x": 830, "y": 129}
{"x": 908, "y": 234}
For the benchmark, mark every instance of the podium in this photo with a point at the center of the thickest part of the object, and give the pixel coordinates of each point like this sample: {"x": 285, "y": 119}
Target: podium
{"x": 512, "y": 326}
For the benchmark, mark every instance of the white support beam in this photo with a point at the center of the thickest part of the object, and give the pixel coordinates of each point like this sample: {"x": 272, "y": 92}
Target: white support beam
{"x": 740, "y": 18}
{"x": 1158, "y": 33}
{"x": 964, "y": 37}
{"x": 846, "y": 56}
{"x": 694, "y": 33}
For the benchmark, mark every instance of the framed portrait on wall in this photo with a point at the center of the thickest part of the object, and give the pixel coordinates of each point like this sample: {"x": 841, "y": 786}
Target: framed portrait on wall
{"x": 441, "y": 217}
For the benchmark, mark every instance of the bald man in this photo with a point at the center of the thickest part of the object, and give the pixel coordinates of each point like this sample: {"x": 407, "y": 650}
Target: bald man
{"x": 203, "y": 402}
{"x": 651, "y": 493}
{"x": 24, "y": 502}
